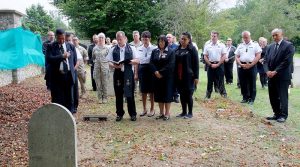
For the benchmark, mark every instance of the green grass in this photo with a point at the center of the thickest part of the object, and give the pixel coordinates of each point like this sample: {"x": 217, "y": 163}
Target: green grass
{"x": 262, "y": 106}
{"x": 297, "y": 55}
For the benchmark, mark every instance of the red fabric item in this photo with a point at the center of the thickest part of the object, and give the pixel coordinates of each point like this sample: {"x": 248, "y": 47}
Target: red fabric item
{"x": 180, "y": 71}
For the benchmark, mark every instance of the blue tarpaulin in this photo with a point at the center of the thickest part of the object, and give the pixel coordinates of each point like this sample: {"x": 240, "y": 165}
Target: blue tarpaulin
{"x": 20, "y": 48}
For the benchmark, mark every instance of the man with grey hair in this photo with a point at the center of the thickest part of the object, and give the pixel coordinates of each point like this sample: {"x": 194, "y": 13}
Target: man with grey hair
{"x": 278, "y": 60}
{"x": 136, "y": 39}
{"x": 91, "y": 61}
{"x": 173, "y": 46}
{"x": 46, "y": 44}
{"x": 122, "y": 58}
{"x": 247, "y": 56}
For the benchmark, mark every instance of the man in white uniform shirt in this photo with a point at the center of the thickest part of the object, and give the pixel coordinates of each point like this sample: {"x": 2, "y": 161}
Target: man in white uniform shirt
{"x": 145, "y": 74}
{"x": 122, "y": 58}
{"x": 214, "y": 56}
{"x": 247, "y": 56}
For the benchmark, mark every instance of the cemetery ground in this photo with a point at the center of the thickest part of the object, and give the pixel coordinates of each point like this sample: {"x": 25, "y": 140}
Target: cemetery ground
{"x": 238, "y": 135}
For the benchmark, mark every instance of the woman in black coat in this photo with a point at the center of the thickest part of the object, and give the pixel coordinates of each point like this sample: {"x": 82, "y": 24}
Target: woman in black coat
{"x": 186, "y": 73}
{"x": 162, "y": 65}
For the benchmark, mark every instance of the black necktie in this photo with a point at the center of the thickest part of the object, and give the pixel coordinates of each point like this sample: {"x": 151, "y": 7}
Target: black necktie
{"x": 61, "y": 49}
{"x": 276, "y": 48}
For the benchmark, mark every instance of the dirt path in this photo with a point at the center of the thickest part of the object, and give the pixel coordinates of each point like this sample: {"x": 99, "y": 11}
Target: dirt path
{"x": 234, "y": 137}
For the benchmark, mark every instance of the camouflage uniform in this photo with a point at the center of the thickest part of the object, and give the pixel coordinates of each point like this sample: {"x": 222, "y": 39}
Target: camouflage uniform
{"x": 81, "y": 70}
{"x": 101, "y": 71}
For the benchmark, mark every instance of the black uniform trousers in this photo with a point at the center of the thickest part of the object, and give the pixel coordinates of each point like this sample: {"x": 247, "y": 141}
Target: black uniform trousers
{"x": 76, "y": 92}
{"x": 247, "y": 79}
{"x": 62, "y": 92}
{"x": 278, "y": 93}
{"x": 228, "y": 67}
{"x": 93, "y": 80}
{"x": 215, "y": 76}
{"x": 119, "y": 93}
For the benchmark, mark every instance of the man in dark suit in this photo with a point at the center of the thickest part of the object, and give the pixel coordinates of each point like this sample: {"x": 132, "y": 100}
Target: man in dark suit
{"x": 228, "y": 64}
{"x": 279, "y": 56}
{"x": 48, "y": 42}
{"x": 62, "y": 58}
{"x": 91, "y": 61}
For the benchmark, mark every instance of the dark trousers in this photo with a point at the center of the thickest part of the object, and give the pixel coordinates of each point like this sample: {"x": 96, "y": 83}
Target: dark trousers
{"x": 263, "y": 79}
{"x": 76, "y": 93}
{"x": 93, "y": 80}
{"x": 119, "y": 93}
{"x": 62, "y": 92}
{"x": 247, "y": 79}
{"x": 186, "y": 100}
{"x": 278, "y": 94}
{"x": 228, "y": 67}
{"x": 215, "y": 76}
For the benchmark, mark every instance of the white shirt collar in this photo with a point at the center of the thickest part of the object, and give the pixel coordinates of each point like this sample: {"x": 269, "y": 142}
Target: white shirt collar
{"x": 122, "y": 47}
{"x": 149, "y": 46}
{"x": 280, "y": 42}
{"x": 248, "y": 43}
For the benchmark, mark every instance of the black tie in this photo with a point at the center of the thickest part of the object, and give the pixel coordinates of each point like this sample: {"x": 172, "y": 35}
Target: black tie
{"x": 61, "y": 49}
{"x": 276, "y": 48}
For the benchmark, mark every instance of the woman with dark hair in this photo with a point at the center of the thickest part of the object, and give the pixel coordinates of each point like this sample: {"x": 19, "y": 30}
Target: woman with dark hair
{"x": 145, "y": 76}
{"x": 186, "y": 73}
{"x": 162, "y": 65}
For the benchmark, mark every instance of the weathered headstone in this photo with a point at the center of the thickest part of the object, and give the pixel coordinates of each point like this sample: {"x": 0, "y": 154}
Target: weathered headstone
{"x": 52, "y": 137}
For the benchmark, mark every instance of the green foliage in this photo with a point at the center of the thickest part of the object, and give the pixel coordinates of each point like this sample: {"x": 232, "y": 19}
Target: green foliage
{"x": 58, "y": 21}
{"x": 94, "y": 16}
{"x": 260, "y": 17}
{"x": 37, "y": 20}
{"x": 199, "y": 17}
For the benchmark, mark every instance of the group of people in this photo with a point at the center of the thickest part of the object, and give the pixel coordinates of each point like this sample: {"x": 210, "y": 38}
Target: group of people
{"x": 167, "y": 70}
{"x": 273, "y": 63}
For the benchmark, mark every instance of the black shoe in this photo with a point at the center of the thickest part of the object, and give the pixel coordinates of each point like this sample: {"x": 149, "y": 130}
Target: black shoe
{"x": 281, "y": 120}
{"x": 166, "y": 118}
{"x": 133, "y": 118}
{"x": 181, "y": 115}
{"x": 160, "y": 116}
{"x": 251, "y": 102}
{"x": 224, "y": 95}
{"x": 208, "y": 96}
{"x": 272, "y": 118}
{"x": 188, "y": 116}
{"x": 119, "y": 118}
{"x": 244, "y": 101}
{"x": 176, "y": 100}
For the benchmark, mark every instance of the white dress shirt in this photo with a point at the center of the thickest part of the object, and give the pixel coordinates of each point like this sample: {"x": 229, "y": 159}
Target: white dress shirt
{"x": 247, "y": 52}
{"x": 214, "y": 51}
{"x": 144, "y": 54}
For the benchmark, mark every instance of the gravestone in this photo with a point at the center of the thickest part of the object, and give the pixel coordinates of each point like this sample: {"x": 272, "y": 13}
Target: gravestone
{"x": 52, "y": 137}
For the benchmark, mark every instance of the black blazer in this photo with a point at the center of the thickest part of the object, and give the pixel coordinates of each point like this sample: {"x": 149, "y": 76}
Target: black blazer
{"x": 55, "y": 57}
{"x": 231, "y": 55}
{"x": 190, "y": 67}
{"x": 164, "y": 65}
{"x": 280, "y": 61}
